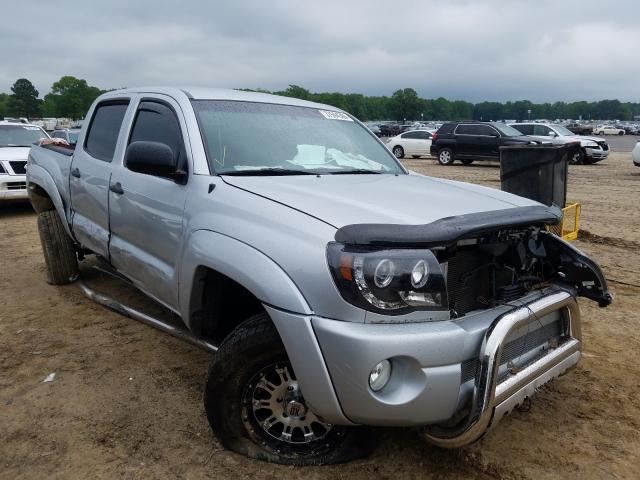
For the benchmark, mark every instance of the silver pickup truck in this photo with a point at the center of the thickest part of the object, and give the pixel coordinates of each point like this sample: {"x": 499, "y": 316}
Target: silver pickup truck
{"x": 337, "y": 289}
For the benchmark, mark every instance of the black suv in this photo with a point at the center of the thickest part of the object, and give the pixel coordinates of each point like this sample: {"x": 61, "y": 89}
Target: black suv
{"x": 469, "y": 141}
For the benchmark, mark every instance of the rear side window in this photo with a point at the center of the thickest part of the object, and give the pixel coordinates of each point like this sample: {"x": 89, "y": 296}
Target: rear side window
{"x": 410, "y": 135}
{"x": 466, "y": 130}
{"x": 104, "y": 129}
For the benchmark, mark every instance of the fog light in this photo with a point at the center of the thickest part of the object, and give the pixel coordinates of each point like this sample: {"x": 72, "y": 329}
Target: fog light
{"x": 380, "y": 375}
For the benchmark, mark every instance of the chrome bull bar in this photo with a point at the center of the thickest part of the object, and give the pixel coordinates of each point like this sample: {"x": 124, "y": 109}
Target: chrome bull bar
{"x": 491, "y": 401}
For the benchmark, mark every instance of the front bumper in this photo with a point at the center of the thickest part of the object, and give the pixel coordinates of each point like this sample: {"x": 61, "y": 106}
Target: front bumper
{"x": 427, "y": 385}
{"x": 596, "y": 153}
{"x": 13, "y": 187}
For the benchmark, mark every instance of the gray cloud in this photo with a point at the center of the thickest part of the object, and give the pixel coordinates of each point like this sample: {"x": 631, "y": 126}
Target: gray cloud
{"x": 542, "y": 50}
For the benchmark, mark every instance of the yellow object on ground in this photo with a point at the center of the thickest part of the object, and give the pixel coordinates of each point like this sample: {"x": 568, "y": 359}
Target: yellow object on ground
{"x": 570, "y": 224}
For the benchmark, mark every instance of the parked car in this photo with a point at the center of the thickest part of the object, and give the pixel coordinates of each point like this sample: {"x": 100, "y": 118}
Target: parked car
{"x": 608, "y": 130}
{"x": 15, "y": 141}
{"x": 469, "y": 141}
{"x": 415, "y": 143}
{"x": 70, "y": 135}
{"x": 636, "y": 154}
{"x": 579, "y": 128}
{"x": 592, "y": 149}
{"x": 334, "y": 287}
{"x": 389, "y": 129}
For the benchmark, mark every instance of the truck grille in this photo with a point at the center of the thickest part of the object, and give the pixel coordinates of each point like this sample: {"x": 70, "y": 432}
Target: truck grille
{"x": 16, "y": 185}
{"x": 19, "y": 168}
{"x": 522, "y": 350}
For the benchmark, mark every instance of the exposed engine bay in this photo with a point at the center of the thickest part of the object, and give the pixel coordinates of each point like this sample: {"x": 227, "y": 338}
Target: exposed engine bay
{"x": 502, "y": 266}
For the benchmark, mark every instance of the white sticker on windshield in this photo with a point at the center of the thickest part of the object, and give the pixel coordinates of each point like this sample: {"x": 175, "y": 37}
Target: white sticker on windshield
{"x": 335, "y": 115}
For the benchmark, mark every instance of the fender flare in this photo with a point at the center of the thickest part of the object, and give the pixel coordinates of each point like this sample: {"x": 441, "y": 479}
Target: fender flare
{"x": 242, "y": 263}
{"x": 40, "y": 177}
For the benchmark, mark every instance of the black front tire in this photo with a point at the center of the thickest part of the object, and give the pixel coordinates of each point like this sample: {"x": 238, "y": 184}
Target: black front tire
{"x": 577, "y": 157}
{"x": 59, "y": 252}
{"x": 250, "y": 349}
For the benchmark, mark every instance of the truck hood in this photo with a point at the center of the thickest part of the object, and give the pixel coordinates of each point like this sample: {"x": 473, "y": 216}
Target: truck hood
{"x": 413, "y": 199}
{"x": 14, "y": 153}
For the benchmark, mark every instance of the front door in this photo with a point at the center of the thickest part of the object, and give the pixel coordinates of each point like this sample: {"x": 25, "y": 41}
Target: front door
{"x": 91, "y": 168}
{"x": 146, "y": 211}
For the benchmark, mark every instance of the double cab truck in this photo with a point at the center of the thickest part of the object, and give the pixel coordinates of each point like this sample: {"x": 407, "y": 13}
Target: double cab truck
{"x": 337, "y": 290}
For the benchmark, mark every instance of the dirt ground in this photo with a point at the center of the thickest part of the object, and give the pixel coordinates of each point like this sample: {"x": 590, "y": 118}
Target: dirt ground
{"x": 126, "y": 401}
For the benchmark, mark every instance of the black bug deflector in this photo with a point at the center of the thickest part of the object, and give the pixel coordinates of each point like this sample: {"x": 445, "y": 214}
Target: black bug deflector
{"x": 447, "y": 230}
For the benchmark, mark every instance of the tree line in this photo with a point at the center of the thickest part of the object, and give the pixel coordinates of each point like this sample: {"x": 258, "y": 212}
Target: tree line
{"x": 70, "y": 97}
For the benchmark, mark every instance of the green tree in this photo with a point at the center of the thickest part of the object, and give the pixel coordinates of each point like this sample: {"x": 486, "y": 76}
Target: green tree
{"x": 71, "y": 97}
{"x": 24, "y": 102}
{"x": 404, "y": 104}
{"x": 4, "y": 105}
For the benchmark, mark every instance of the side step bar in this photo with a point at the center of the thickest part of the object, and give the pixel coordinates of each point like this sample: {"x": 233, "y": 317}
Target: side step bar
{"x": 177, "y": 331}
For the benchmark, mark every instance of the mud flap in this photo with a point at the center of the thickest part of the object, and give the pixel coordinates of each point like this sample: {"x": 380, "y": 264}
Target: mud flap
{"x": 577, "y": 270}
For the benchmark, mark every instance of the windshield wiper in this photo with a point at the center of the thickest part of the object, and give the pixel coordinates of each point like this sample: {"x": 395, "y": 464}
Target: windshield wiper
{"x": 268, "y": 172}
{"x": 356, "y": 171}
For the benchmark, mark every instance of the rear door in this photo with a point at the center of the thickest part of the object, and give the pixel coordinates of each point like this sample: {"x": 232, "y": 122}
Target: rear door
{"x": 146, "y": 211}
{"x": 467, "y": 143}
{"x": 91, "y": 168}
{"x": 423, "y": 142}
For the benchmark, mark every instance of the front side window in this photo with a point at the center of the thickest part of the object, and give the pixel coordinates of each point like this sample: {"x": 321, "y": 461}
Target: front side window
{"x": 506, "y": 130}
{"x": 157, "y": 122}
{"x": 246, "y": 138}
{"x": 560, "y": 130}
{"x": 485, "y": 130}
{"x": 20, "y": 135}
{"x": 104, "y": 129}
{"x": 541, "y": 130}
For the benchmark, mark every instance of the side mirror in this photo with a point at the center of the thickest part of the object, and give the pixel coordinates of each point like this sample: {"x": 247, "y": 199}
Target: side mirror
{"x": 552, "y": 134}
{"x": 152, "y": 158}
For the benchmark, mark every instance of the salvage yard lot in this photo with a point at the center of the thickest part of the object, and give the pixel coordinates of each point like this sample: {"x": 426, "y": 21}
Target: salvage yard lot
{"x": 126, "y": 400}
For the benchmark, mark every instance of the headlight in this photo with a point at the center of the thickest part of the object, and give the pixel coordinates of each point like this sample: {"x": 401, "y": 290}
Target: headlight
{"x": 392, "y": 282}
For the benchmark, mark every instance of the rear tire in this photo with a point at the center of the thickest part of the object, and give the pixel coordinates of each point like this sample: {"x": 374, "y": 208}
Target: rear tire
{"x": 249, "y": 396}
{"x": 445, "y": 157}
{"x": 620, "y": 133}
{"x": 398, "y": 151}
{"x": 59, "y": 252}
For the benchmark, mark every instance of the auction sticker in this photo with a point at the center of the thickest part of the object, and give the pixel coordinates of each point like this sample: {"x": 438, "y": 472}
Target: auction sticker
{"x": 336, "y": 115}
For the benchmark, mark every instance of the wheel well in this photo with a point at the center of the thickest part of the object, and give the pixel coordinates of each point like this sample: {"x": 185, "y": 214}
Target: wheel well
{"x": 218, "y": 304}
{"x": 39, "y": 198}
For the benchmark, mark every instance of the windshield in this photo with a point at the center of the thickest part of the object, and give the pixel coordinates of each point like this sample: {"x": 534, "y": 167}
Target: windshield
{"x": 20, "y": 135}
{"x": 560, "y": 130}
{"x": 507, "y": 131}
{"x": 282, "y": 139}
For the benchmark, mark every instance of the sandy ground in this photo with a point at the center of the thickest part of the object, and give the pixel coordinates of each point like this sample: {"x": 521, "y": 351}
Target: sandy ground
{"x": 126, "y": 401}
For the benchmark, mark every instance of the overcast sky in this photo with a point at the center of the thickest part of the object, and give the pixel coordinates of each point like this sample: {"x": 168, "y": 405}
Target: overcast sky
{"x": 472, "y": 50}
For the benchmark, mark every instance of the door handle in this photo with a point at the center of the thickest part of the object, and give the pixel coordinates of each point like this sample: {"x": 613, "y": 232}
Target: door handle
{"x": 116, "y": 188}
{"x": 76, "y": 172}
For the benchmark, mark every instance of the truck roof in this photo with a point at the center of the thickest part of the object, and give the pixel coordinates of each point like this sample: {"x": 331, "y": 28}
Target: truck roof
{"x": 206, "y": 93}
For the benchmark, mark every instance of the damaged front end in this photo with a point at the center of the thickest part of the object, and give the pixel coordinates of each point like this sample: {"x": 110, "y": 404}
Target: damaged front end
{"x": 491, "y": 258}
{"x": 504, "y": 262}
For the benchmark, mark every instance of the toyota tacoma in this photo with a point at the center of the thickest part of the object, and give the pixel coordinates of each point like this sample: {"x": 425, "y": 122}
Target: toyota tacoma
{"x": 337, "y": 289}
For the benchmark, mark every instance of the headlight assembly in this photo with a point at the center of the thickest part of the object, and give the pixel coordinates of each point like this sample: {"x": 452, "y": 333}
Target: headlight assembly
{"x": 391, "y": 282}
